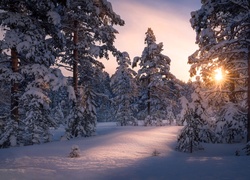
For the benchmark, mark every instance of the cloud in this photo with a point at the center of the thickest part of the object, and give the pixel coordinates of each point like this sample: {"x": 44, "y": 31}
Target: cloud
{"x": 170, "y": 23}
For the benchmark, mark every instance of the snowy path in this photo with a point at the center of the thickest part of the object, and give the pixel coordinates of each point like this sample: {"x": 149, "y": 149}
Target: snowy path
{"x": 123, "y": 153}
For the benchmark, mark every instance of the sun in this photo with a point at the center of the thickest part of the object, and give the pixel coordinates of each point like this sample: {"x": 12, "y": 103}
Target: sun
{"x": 218, "y": 75}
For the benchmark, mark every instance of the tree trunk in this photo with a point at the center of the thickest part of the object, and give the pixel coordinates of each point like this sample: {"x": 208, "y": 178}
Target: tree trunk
{"x": 149, "y": 97}
{"x": 248, "y": 85}
{"x": 75, "y": 55}
{"x": 232, "y": 94}
{"x": 248, "y": 97}
{"x": 14, "y": 86}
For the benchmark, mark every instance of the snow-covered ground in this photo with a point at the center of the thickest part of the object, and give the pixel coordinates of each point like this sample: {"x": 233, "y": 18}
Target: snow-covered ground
{"x": 124, "y": 153}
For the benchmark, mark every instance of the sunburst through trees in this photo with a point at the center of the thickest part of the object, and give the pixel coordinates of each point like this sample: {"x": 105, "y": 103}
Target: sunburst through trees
{"x": 218, "y": 76}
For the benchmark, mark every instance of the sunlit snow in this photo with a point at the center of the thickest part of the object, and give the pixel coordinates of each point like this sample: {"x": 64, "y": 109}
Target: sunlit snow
{"x": 123, "y": 153}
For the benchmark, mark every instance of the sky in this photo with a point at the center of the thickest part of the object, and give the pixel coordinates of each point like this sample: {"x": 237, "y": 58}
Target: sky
{"x": 169, "y": 19}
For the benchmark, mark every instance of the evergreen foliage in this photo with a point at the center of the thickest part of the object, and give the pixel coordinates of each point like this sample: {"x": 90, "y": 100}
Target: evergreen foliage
{"x": 189, "y": 139}
{"x": 222, "y": 36}
{"x": 124, "y": 89}
{"x": 105, "y": 108}
{"x": 89, "y": 31}
{"x": 197, "y": 127}
{"x": 81, "y": 121}
{"x": 35, "y": 101}
{"x": 230, "y": 127}
{"x": 32, "y": 32}
{"x": 75, "y": 152}
{"x": 247, "y": 149}
{"x": 75, "y": 123}
{"x": 153, "y": 77}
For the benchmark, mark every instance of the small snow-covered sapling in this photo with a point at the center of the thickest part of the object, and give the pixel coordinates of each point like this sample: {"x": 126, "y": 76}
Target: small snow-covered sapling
{"x": 75, "y": 152}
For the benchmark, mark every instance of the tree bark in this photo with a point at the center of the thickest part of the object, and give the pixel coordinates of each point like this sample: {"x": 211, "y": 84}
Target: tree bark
{"x": 14, "y": 86}
{"x": 248, "y": 97}
{"x": 149, "y": 97}
{"x": 232, "y": 94}
{"x": 76, "y": 60}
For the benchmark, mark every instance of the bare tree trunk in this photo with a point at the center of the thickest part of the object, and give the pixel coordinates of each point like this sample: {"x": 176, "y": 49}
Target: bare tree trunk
{"x": 76, "y": 60}
{"x": 14, "y": 86}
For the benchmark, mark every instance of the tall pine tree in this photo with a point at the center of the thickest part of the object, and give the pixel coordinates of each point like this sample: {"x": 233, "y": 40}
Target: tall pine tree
{"x": 222, "y": 35}
{"x": 152, "y": 75}
{"x": 33, "y": 36}
{"x": 89, "y": 31}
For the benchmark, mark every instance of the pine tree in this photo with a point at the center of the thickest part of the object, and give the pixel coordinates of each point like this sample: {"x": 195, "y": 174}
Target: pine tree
{"x": 230, "y": 124}
{"x": 105, "y": 107}
{"x": 189, "y": 140}
{"x": 89, "y": 31}
{"x": 33, "y": 36}
{"x": 124, "y": 89}
{"x": 89, "y": 104}
{"x": 202, "y": 112}
{"x": 35, "y": 101}
{"x": 75, "y": 124}
{"x": 222, "y": 36}
{"x": 197, "y": 127}
{"x": 153, "y": 74}
{"x": 170, "y": 116}
{"x": 7, "y": 125}
{"x": 247, "y": 149}
{"x": 185, "y": 89}
{"x": 82, "y": 119}
{"x": 59, "y": 105}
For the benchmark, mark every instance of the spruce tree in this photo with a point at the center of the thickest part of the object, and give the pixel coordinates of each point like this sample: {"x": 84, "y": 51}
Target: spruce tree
{"x": 33, "y": 37}
{"x": 152, "y": 75}
{"x": 222, "y": 36}
{"x": 197, "y": 127}
{"x": 89, "y": 31}
{"x": 105, "y": 107}
{"x": 188, "y": 139}
{"x": 124, "y": 89}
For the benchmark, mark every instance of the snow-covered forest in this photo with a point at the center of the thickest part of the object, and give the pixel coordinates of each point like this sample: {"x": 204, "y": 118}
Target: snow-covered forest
{"x": 42, "y": 39}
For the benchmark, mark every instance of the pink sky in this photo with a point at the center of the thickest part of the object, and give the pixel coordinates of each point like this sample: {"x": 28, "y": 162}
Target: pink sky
{"x": 169, "y": 20}
{"x": 170, "y": 23}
